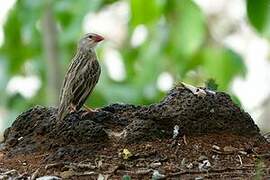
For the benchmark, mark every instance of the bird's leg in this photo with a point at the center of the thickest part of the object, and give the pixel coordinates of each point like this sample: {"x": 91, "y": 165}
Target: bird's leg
{"x": 88, "y": 109}
{"x": 72, "y": 107}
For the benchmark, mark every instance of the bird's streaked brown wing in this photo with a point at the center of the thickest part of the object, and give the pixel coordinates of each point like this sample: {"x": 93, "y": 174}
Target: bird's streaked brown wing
{"x": 71, "y": 78}
{"x": 72, "y": 69}
{"x": 86, "y": 82}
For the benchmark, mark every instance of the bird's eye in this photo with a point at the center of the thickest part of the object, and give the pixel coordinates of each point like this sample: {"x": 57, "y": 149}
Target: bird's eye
{"x": 90, "y": 36}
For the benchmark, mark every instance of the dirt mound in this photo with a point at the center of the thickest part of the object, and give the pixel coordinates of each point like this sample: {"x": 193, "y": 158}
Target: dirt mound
{"x": 189, "y": 129}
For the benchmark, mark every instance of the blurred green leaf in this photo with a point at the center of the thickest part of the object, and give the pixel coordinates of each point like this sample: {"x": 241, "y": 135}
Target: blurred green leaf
{"x": 120, "y": 93}
{"x": 222, "y": 64}
{"x": 3, "y": 73}
{"x": 258, "y": 12}
{"x": 236, "y": 100}
{"x": 211, "y": 84}
{"x": 145, "y": 12}
{"x": 187, "y": 29}
{"x": 126, "y": 177}
{"x": 20, "y": 30}
{"x": 11, "y": 50}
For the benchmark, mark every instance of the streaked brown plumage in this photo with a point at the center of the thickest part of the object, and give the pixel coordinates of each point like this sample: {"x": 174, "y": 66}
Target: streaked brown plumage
{"x": 82, "y": 76}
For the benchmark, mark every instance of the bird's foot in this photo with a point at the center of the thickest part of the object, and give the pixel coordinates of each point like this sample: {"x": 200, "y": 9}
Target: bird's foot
{"x": 72, "y": 108}
{"x": 89, "y": 110}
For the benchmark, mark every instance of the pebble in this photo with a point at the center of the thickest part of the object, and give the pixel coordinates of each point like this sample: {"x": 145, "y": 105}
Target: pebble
{"x": 67, "y": 174}
{"x": 155, "y": 164}
{"x": 215, "y": 157}
{"x": 243, "y": 152}
{"x": 157, "y": 175}
{"x": 175, "y": 131}
{"x": 189, "y": 165}
{"x": 104, "y": 177}
{"x": 216, "y": 147}
{"x": 199, "y": 178}
{"x": 205, "y": 165}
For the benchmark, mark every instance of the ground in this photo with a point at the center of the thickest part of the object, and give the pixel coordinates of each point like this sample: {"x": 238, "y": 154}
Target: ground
{"x": 192, "y": 133}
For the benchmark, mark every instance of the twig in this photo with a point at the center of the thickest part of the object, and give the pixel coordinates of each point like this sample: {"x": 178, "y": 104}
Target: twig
{"x": 267, "y": 155}
{"x": 228, "y": 169}
{"x": 35, "y": 174}
{"x": 240, "y": 159}
{"x": 222, "y": 152}
{"x": 81, "y": 166}
{"x": 55, "y": 165}
{"x": 86, "y": 173}
{"x": 265, "y": 134}
{"x": 185, "y": 140}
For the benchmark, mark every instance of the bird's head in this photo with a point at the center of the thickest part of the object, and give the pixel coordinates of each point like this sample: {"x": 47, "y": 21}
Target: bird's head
{"x": 89, "y": 41}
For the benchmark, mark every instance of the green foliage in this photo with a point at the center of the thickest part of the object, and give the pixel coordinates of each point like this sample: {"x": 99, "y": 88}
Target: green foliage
{"x": 126, "y": 177}
{"x": 236, "y": 100}
{"x": 177, "y": 43}
{"x": 187, "y": 30}
{"x": 222, "y": 64}
{"x": 145, "y": 12}
{"x": 211, "y": 84}
{"x": 22, "y": 40}
{"x": 259, "y": 15}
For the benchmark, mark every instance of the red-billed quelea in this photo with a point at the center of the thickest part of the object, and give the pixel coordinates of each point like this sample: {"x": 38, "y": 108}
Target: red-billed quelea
{"x": 82, "y": 76}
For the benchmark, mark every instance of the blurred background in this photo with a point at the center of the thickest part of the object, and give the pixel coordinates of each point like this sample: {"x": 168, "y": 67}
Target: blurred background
{"x": 150, "y": 45}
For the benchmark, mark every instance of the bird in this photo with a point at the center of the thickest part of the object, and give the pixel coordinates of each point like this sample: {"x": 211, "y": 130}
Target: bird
{"x": 81, "y": 77}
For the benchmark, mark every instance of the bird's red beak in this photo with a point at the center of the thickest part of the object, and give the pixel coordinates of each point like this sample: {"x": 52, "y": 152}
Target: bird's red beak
{"x": 98, "y": 38}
